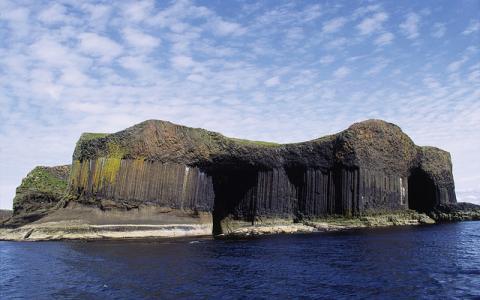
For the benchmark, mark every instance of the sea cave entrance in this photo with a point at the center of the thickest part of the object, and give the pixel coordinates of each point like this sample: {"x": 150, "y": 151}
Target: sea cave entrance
{"x": 234, "y": 194}
{"x": 421, "y": 191}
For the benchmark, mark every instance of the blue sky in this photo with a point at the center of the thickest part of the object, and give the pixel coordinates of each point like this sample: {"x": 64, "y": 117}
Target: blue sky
{"x": 270, "y": 70}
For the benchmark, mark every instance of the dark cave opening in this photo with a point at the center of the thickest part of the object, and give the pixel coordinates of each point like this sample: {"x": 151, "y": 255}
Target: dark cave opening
{"x": 296, "y": 175}
{"x": 421, "y": 191}
{"x": 234, "y": 195}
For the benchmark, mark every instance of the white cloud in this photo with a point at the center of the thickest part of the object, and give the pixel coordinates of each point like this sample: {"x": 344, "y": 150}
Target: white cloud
{"x": 133, "y": 63}
{"x": 223, "y": 28}
{"x": 473, "y": 27}
{"x": 98, "y": 15}
{"x": 327, "y": 59}
{"x": 454, "y": 66}
{"x": 361, "y": 11}
{"x": 196, "y": 78}
{"x": 334, "y": 25}
{"x": 410, "y": 26}
{"x": 17, "y": 18}
{"x": 384, "y": 39}
{"x": 294, "y": 35}
{"x": 337, "y": 43}
{"x": 373, "y": 23}
{"x": 139, "y": 40}
{"x": 137, "y": 11}
{"x": 272, "y": 81}
{"x": 379, "y": 66}
{"x": 71, "y": 76}
{"x": 99, "y": 46}
{"x": 54, "y": 14}
{"x": 54, "y": 54}
{"x": 182, "y": 62}
{"x": 341, "y": 72}
{"x": 474, "y": 76}
{"x": 439, "y": 30}
{"x": 19, "y": 14}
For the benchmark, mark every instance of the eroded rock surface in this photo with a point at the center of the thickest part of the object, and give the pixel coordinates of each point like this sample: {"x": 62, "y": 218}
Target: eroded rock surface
{"x": 191, "y": 180}
{"x": 39, "y": 192}
{"x": 5, "y": 214}
{"x": 362, "y": 170}
{"x": 456, "y": 212}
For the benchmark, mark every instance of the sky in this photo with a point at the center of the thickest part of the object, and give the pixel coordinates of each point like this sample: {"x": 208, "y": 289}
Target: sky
{"x": 283, "y": 71}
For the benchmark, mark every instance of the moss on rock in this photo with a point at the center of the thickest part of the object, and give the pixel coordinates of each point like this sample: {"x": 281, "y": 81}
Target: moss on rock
{"x": 39, "y": 192}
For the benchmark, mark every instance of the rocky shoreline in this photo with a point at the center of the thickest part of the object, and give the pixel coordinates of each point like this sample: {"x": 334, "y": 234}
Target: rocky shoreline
{"x": 80, "y": 227}
{"x": 461, "y": 211}
{"x": 80, "y": 230}
{"x": 329, "y": 224}
{"x": 54, "y": 231}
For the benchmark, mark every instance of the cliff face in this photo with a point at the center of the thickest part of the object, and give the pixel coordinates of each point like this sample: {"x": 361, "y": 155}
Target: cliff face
{"x": 371, "y": 167}
{"x": 5, "y": 214}
{"x": 39, "y": 192}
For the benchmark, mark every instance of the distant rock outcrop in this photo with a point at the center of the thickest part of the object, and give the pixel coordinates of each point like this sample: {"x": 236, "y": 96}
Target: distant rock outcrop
{"x": 38, "y": 193}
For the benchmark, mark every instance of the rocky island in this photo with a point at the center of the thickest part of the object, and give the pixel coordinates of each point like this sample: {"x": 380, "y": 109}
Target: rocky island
{"x": 159, "y": 179}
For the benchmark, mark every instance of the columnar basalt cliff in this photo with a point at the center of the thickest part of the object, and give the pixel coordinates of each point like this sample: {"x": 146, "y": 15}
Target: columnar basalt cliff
{"x": 370, "y": 168}
{"x": 161, "y": 179}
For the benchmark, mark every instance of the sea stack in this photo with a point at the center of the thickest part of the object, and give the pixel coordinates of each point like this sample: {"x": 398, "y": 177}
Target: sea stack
{"x": 165, "y": 176}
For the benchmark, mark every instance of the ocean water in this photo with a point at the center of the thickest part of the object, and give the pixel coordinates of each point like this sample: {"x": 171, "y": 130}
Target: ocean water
{"x": 426, "y": 262}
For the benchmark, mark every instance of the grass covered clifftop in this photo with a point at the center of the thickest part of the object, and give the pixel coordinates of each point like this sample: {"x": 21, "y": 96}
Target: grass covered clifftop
{"x": 39, "y": 192}
{"x": 164, "y": 141}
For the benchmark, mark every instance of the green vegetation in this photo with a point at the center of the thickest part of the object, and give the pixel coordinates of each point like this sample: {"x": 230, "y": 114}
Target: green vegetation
{"x": 115, "y": 150}
{"x": 253, "y": 143}
{"x": 110, "y": 169}
{"x": 83, "y": 140}
{"x": 88, "y": 136}
{"x": 213, "y": 138}
{"x": 42, "y": 179}
{"x": 42, "y": 188}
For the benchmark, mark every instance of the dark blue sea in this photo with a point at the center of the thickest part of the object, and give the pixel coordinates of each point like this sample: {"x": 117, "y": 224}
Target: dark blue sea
{"x": 426, "y": 262}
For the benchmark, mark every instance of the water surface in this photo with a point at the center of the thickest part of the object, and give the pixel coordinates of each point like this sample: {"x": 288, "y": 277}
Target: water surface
{"x": 440, "y": 261}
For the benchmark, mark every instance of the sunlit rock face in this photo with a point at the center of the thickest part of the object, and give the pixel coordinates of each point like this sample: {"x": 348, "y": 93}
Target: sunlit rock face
{"x": 371, "y": 167}
{"x": 39, "y": 192}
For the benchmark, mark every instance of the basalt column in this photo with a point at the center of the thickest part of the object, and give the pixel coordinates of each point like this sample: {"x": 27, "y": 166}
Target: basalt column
{"x": 362, "y": 170}
{"x": 315, "y": 191}
{"x": 139, "y": 182}
{"x": 380, "y": 192}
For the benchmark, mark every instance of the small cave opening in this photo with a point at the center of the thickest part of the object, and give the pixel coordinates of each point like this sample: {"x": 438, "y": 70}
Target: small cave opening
{"x": 421, "y": 191}
{"x": 296, "y": 175}
{"x": 234, "y": 190}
